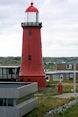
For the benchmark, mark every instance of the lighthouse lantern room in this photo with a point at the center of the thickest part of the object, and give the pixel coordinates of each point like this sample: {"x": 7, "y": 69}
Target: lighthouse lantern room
{"x": 32, "y": 14}
{"x": 31, "y": 61}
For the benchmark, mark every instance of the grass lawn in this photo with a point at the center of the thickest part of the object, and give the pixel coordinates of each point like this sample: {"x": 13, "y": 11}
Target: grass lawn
{"x": 45, "y": 104}
{"x": 46, "y": 101}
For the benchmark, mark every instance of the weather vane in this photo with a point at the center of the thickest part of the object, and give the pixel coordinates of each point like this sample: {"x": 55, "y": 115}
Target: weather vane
{"x": 32, "y": 1}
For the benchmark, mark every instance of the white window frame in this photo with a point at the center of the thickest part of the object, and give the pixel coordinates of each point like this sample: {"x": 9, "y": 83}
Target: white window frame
{"x": 71, "y": 76}
{"x": 70, "y": 66}
{"x": 48, "y": 76}
{"x": 55, "y": 77}
{"x": 61, "y": 77}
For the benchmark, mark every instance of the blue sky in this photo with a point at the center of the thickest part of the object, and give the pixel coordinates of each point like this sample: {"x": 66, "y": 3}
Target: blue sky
{"x": 59, "y": 31}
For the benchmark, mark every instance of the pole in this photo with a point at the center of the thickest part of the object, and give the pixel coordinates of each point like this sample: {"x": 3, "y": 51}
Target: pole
{"x": 74, "y": 81}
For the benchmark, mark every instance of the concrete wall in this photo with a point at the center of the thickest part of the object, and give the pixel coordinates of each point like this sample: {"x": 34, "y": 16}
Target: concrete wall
{"x": 9, "y": 112}
{"x": 17, "y": 92}
{"x": 8, "y": 93}
{"x": 27, "y": 106}
{"x": 19, "y": 110}
{"x": 25, "y": 90}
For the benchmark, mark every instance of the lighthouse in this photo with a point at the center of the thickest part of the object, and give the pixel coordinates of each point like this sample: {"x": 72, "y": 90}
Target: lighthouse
{"x": 31, "y": 61}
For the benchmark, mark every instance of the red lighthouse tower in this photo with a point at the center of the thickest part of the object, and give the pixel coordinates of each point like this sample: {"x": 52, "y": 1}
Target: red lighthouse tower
{"x": 31, "y": 63}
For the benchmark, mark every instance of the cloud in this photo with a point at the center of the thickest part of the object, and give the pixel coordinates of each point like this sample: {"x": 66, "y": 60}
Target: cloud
{"x": 73, "y": 2}
{"x": 59, "y": 31}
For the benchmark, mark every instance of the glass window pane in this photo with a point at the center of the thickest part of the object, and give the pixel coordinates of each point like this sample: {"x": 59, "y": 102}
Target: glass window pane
{"x": 4, "y": 71}
{"x": 11, "y": 71}
{"x": 4, "y": 102}
{"x": 0, "y": 71}
{"x": 10, "y": 102}
{"x": 1, "y": 102}
{"x": 30, "y": 32}
{"x": 31, "y": 17}
{"x": 29, "y": 57}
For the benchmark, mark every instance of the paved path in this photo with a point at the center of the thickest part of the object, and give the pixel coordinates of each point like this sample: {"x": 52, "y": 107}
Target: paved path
{"x": 66, "y": 95}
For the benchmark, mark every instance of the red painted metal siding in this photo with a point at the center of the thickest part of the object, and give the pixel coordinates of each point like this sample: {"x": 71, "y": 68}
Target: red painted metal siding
{"x": 31, "y": 63}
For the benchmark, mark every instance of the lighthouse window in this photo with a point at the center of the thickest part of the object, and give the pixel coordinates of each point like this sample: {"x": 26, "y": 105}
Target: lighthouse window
{"x": 29, "y": 57}
{"x": 30, "y": 32}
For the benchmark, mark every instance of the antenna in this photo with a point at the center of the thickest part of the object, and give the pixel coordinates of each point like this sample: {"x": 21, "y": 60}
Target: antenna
{"x": 34, "y": 1}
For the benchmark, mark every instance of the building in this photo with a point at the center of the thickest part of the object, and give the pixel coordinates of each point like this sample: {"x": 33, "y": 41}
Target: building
{"x": 67, "y": 66}
{"x": 65, "y": 71}
{"x": 31, "y": 62}
{"x": 17, "y": 99}
{"x": 9, "y": 73}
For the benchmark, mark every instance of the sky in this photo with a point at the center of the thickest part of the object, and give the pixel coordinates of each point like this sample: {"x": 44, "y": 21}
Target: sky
{"x": 59, "y": 32}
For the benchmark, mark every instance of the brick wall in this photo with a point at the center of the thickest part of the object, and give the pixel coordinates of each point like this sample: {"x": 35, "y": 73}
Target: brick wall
{"x": 63, "y": 67}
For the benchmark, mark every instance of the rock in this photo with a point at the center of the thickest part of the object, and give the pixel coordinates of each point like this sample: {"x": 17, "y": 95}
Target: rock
{"x": 61, "y": 108}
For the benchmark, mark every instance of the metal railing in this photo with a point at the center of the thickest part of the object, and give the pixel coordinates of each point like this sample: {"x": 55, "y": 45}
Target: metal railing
{"x": 39, "y": 24}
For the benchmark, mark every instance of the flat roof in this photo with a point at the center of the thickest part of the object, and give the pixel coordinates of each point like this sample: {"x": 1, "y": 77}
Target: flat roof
{"x": 67, "y": 63}
{"x": 12, "y": 84}
{"x": 60, "y": 72}
{"x": 9, "y": 66}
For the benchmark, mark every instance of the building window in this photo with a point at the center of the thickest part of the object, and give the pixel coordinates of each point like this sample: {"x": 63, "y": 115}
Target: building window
{"x": 11, "y": 71}
{"x": 30, "y": 32}
{"x": 1, "y": 102}
{"x": 6, "y": 102}
{"x": 29, "y": 58}
{"x": 10, "y": 102}
{"x": 71, "y": 76}
{"x": 55, "y": 77}
{"x": 61, "y": 77}
{"x": 68, "y": 66}
{"x": 47, "y": 77}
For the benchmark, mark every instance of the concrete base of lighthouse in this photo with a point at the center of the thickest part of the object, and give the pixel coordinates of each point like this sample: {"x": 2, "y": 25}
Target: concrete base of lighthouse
{"x": 39, "y": 79}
